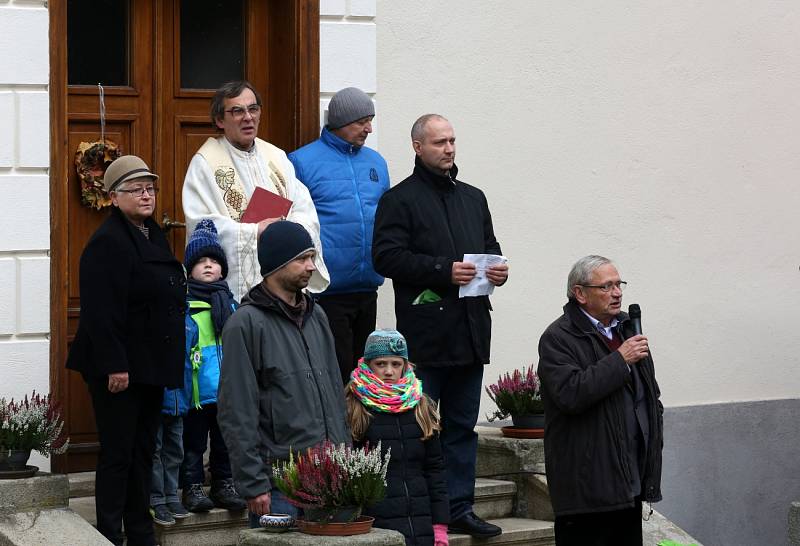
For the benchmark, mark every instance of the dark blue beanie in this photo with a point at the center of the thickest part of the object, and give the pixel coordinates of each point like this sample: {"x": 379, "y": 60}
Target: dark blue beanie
{"x": 203, "y": 242}
{"x": 280, "y": 243}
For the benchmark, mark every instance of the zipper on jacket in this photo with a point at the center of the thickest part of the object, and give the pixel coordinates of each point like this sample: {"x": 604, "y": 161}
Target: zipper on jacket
{"x": 361, "y": 215}
{"x": 652, "y": 405}
{"x": 316, "y": 384}
{"x": 405, "y": 484}
{"x": 619, "y": 414}
{"x": 647, "y": 491}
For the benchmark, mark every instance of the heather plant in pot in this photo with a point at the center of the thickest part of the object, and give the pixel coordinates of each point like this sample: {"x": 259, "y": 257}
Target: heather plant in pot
{"x": 35, "y": 424}
{"x": 332, "y": 484}
{"x": 518, "y": 395}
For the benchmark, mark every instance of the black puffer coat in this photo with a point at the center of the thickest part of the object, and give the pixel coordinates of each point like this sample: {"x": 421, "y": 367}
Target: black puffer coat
{"x": 416, "y": 492}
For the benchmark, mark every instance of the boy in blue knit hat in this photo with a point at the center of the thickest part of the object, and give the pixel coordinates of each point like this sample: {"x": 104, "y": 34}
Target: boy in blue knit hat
{"x": 189, "y": 414}
{"x": 210, "y": 304}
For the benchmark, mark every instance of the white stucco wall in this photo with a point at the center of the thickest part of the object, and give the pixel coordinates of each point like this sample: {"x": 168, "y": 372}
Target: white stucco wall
{"x": 660, "y": 134}
{"x": 25, "y": 221}
{"x": 347, "y": 56}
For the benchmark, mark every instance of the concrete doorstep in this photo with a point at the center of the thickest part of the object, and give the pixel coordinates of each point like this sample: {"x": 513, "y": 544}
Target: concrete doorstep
{"x": 376, "y": 537}
{"x": 33, "y": 511}
{"x": 511, "y": 492}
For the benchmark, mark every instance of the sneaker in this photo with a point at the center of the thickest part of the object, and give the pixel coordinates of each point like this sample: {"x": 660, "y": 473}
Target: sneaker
{"x": 177, "y": 510}
{"x": 471, "y": 524}
{"x": 161, "y": 515}
{"x": 195, "y": 499}
{"x": 224, "y": 495}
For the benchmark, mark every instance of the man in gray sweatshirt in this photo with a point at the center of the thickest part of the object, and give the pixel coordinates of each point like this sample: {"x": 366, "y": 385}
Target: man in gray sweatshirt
{"x": 280, "y": 388}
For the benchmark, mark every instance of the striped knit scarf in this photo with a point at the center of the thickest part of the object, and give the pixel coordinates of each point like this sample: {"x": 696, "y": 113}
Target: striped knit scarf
{"x": 374, "y": 393}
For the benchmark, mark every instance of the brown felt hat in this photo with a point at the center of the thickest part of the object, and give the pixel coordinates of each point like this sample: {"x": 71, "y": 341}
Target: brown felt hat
{"x": 123, "y": 169}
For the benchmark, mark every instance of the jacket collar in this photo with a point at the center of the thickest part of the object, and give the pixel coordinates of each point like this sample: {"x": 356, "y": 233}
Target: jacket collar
{"x": 578, "y": 322}
{"x": 439, "y": 181}
{"x": 260, "y": 297}
{"x": 152, "y": 249}
{"x": 338, "y": 143}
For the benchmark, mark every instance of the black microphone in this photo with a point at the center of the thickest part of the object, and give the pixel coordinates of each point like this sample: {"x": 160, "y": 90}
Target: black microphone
{"x": 635, "y": 314}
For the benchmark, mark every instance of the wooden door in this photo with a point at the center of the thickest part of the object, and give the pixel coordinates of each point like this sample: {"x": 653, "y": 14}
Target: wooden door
{"x": 159, "y": 62}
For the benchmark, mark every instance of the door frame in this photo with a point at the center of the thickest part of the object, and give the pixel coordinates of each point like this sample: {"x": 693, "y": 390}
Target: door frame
{"x": 293, "y": 45}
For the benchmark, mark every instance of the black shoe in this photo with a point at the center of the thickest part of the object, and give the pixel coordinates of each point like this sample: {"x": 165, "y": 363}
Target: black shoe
{"x": 223, "y": 494}
{"x": 161, "y": 515}
{"x": 471, "y": 524}
{"x": 177, "y": 510}
{"x": 195, "y": 499}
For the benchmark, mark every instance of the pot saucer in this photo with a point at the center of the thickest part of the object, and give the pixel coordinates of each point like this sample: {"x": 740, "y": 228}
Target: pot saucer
{"x": 27, "y": 472}
{"x": 523, "y": 433}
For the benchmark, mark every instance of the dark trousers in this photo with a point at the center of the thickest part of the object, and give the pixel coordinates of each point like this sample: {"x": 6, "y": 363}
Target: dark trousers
{"x": 458, "y": 391}
{"x": 198, "y": 425}
{"x": 127, "y": 423}
{"x": 617, "y": 528}
{"x": 352, "y": 320}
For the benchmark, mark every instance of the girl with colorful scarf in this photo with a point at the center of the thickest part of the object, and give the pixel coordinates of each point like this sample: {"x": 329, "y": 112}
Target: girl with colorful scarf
{"x": 385, "y": 403}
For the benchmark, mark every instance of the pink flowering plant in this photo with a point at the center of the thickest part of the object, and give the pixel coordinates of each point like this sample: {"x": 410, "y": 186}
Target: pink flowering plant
{"x": 35, "y": 423}
{"x": 328, "y": 477}
{"x": 518, "y": 393}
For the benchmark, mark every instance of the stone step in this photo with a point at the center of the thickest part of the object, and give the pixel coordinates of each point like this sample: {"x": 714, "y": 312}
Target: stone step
{"x": 529, "y": 532}
{"x": 218, "y": 526}
{"x": 81, "y": 484}
{"x": 520, "y": 461}
{"x": 494, "y": 498}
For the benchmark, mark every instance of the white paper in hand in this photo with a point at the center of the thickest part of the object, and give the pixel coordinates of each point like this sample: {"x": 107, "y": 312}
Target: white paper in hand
{"x": 480, "y": 285}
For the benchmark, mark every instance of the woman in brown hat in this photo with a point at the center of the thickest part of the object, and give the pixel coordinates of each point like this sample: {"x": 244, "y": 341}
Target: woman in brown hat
{"x": 129, "y": 345}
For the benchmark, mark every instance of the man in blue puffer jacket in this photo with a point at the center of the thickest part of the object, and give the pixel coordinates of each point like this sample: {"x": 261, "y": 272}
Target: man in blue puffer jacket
{"x": 346, "y": 180}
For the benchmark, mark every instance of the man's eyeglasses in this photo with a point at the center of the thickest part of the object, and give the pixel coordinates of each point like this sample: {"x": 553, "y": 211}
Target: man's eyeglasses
{"x": 138, "y": 192}
{"x": 237, "y": 112}
{"x": 608, "y": 286}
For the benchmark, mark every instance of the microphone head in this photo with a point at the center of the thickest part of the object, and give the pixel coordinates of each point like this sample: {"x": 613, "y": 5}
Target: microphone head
{"x": 634, "y": 311}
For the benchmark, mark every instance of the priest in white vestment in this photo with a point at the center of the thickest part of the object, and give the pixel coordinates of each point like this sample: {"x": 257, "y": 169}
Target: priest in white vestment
{"x": 225, "y": 172}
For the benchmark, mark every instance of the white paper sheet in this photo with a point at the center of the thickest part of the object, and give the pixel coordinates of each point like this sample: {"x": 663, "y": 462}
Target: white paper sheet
{"x": 480, "y": 285}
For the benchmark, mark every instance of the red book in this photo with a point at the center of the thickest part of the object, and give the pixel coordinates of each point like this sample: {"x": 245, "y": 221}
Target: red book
{"x": 265, "y": 204}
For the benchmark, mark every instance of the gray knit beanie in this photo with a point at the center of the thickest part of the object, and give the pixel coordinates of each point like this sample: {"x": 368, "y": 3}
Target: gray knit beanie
{"x": 348, "y": 105}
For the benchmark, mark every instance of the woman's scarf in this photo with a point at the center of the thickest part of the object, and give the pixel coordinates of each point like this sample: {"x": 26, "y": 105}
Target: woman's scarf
{"x": 218, "y": 295}
{"x": 374, "y": 393}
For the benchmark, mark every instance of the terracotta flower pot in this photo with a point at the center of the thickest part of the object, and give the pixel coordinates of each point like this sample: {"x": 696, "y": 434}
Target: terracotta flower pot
{"x": 361, "y": 525}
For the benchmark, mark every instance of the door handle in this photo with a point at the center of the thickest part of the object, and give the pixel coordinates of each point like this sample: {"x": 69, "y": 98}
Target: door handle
{"x": 167, "y": 223}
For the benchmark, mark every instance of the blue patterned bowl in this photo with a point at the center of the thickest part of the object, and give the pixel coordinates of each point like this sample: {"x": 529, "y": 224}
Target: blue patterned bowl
{"x": 276, "y": 523}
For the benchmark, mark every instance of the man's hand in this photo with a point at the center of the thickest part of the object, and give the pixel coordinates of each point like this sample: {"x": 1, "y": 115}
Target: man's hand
{"x": 634, "y": 349}
{"x": 260, "y": 505}
{"x": 262, "y": 225}
{"x": 497, "y": 274}
{"x": 462, "y": 273}
{"x": 117, "y": 382}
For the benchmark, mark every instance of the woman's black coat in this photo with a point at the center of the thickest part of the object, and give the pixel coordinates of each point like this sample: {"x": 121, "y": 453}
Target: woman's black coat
{"x": 416, "y": 491}
{"x": 133, "y": 298}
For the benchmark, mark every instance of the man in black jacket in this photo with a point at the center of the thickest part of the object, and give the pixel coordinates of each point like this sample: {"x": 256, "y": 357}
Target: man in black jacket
{"x": 604, "y": 427}
{"x": 423, "y": 228}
